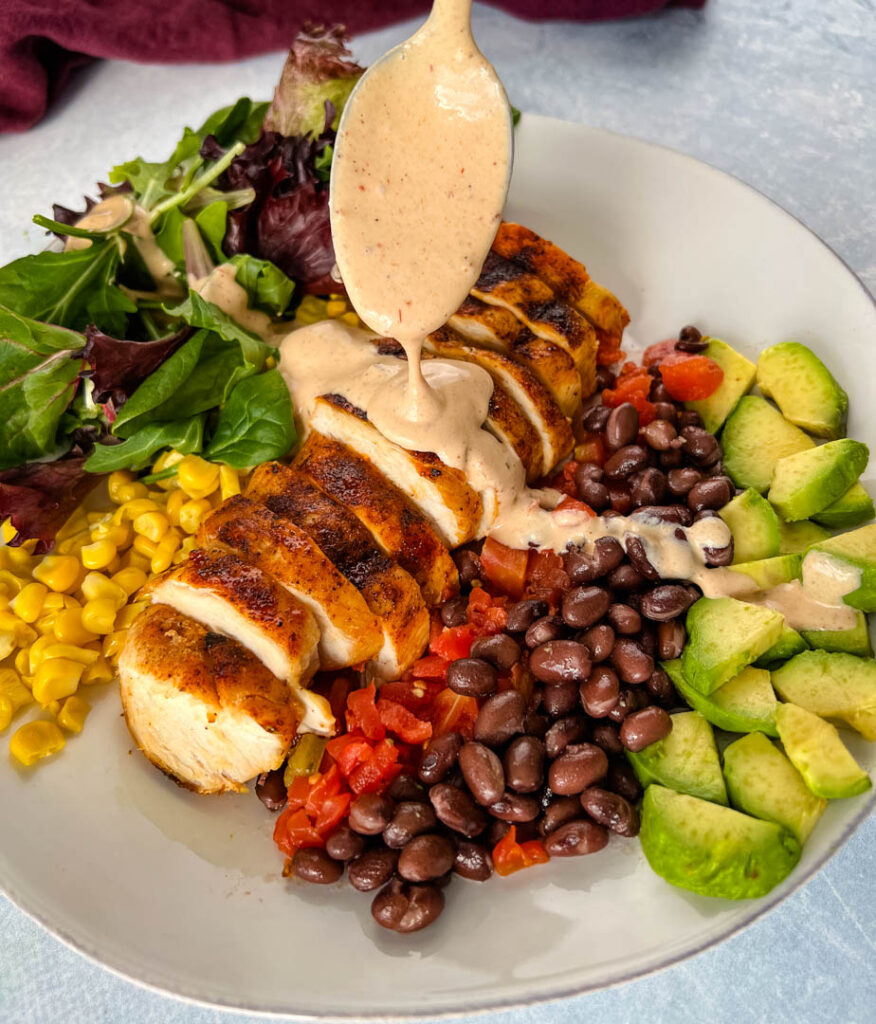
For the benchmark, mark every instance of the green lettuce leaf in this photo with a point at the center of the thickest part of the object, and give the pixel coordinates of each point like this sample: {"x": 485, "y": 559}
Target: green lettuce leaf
{"x": 138, "y": 451}
{"x": 197, "y": 312}
{"x": 266, "y": 285}
{"x": 257, "y": 423}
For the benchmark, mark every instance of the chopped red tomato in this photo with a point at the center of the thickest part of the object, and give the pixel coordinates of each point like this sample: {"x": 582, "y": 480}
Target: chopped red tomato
{"x": 691, "y": 378}
{"x": 348, "y": 752}
{"x": 378, "y": 771}
{"x": 591, "y": 449}
{"x": 487, "y": 614}
{"x": 453, "y": 713}
{"x": 430, "y": 667}
{"x": 573, "y": 505}
{"x": 633, "y": 387}
{"x": 416, "y": 695}
{"x": 294, "y": 830}
{"x": 510, "y": 856}
{"x": 316, "y": 805}
{"x": 564, "y": 481}
{"x": 403, "y": 723}
{"x": 362, "y": 713}
{"x": 609, "y": 354}
{"x": 504, "y": 567}
{"x": 657, "y": 353}
{"x": 454, "y": 642}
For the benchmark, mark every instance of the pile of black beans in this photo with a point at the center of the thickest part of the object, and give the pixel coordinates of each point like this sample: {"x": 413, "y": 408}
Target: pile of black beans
{"x": 552, "y": 764}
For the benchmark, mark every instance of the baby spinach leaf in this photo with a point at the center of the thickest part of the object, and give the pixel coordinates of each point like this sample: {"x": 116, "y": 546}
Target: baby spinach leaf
{"x": 257, "y": 424}
{"x": 241, "y": 121}
{"x": 137, "y": 451}
{"x": 266, "y": 285}
{"x": 24, "y": 343}
{"x": 151, "y": 181}
{"x": 197, "y": 312}
{"x": 211, "y": 221}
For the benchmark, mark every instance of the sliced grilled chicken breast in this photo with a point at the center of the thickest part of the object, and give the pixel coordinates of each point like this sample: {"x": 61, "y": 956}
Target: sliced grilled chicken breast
{"x": 549, "y": 426}
{"x": 390, "y": 593}
{"x": 498, "y": 328}
{"x": 440, "y": 492}
{"x": 200, "y": 706}
{"x": 349, "y": 631}
{"x": 398, "y": 527}
{"x": 228, "y": 596}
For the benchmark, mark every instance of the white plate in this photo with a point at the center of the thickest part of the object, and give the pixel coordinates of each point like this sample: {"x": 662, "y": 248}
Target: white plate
{"x": 184, "y": 893}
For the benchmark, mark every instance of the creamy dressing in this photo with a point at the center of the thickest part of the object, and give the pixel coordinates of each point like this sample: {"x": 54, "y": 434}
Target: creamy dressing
{"x": 816, "y": 600}
{"x": 221, "y": 288}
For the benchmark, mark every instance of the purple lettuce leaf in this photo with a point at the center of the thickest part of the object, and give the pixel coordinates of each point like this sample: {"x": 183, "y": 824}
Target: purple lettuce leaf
{"x": 40, "y": 496}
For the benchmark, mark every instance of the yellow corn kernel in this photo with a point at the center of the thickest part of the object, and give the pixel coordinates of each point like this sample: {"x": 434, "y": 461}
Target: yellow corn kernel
{"x": 13, "y": 689}
{"x": 99, "y": 672}
{"x": 73, "y": 713}
{"x": 99, "y": 554}
{"x": 126, "y": 616}
{"x": 164, "y": 552}
{"x": 197, "y": 477}
{"x": 144, "y": 546}
{"x": 270, "y": 363}
{"x": 22, "y": 660}
{"x": 73, "y": 545}
{"x": 60, "y": 573}
{"x": 185, "y": 549}
{"x": 95, "y": 517}
{"x": 130, "y": 492}
{"x": 96, "y": 585}
{"x": 7, "y": 643}
{"x": 45, "y": 624}
{"x": 82, "y": 655}
{"x": 99, "y": 616}
{"x": 113, "y": 643}
{"x": 56, "y": 678}
{"x": 120, "y": 534}
{"x": 175, "y": 502}
{"x": 130, "y": 579}
{"x": 192, "y": 513}
{"x": 21, "y": 633}
{"x": 132, "y": 509}
{"x": 6, "y": 712}
{"x": 153, "y": 525}
{"x": 36, "y": 653}
{"x": 335, "y": 307}
{"x": 7, "y": 531}
{"x": 35, "y": 740}
{"x": 351, "y": 319}
{"x": 4, "y": 601}
{"x": 10, "y": 583}
{"x": 69, "y": 628}
{"x": 28, "y": 602}
{"x": 229, "y": 481}
{"x": 134, "y": 560}
{"x": 54, "y": 602}
{"x": 20, "y": 559}
{"x": 115, "y": 481}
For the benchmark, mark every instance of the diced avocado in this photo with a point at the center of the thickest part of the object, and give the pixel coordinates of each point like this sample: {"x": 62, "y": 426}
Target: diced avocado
{"x": 818, "y": 753}
{"x": 686, "y": 760}
{"x": 788, "y": 644}
{"x": 809, "y": 481}
{"x": 755, "y": 436}
{"x": 739, "y": 374}
{"x": 852, "y": 509}
{"x": 725, "y": 635}
{"x": 754, "y": 525}
{"x": 835, "y": 685}
{"x": 747, "y": 703}
{"x": 803, "y": 388}
{"x": 713, "y": 850}
{"x": 853, "y": 641}
{"x": 770, "y": 572}
{"x": 763, "y": 782}
{"x": 795, "y": 538}
{"x": 858, "y": 549}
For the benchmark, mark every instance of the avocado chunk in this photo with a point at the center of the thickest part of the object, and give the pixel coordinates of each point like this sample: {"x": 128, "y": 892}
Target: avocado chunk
{"x": 686, "y": 760}
{"x": 831, "y": 684}
{"x": 713, "y": 850}
{"x": 770, "y": 572}
{"x": 755, "y": 436}
{"x": 809, "y": 481}
{"x": 761, "y": 781}
{"x": 796, "y": 538}
{"x": 739, "y": 374}
{"x": 803, "y": 388}
{"x": 817, "y": 752}
{"x": 853, "y": 641}
{"x": 747, "y": 703}
{"x": 788, "y": 644}
{"x": 852, "y": 509}
{"x": 725, "y": 635}
{"x": 754, "y": 525}
{"x": 856, "y": 549}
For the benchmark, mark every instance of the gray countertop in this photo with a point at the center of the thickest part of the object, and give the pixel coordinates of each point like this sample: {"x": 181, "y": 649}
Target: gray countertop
{"x": 777, "y": 92}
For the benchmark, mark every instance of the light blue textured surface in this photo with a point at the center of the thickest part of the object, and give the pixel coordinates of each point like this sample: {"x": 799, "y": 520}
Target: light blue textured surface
{"x": 780, "y": 93}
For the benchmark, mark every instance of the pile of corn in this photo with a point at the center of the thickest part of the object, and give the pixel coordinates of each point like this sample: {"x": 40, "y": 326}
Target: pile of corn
{"x": 64, "y": 616}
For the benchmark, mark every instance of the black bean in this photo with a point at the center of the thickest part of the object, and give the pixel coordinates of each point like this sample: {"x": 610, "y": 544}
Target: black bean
{"x": 680, "y": 514}
{"x": 314, "y": 865}
{"x": 344, "y": 844}
{"x": 611, "y": 810}
{"x": 666, "y": 602}
{"x": 471, "y": 677}
{"x": 456, "y": 809}
{"x": 568, "y": 730}
{"x": 642, "y": 728}
{"x": 595, "y": 419}
{"x": 575, "y": 839}
{"x": 600, "y": 693}
{"x": 483, "y": 773}
{"x": 659, "y": 392}
{"x": 661, "y": 689}
{"x": 700, "y": 446}
{"x": 516, "y": 808}
{"x": 522, "y": 614}
{"x": 606, "y": 736}
{"x": 599, "y": 640}
{"x": 625, "y": 461}
{"x": 271, "y": 789}
{"x": 425, "y": 858}
{"x": 550, "y": 627}
{"x": 595, "y": 494}
{"x": 583, "y": 606}
{"x": 559, "y": 811}
{"x": 496, "y": 831}
{"x": 407, "y": 908}
{"x": 468, "y": 565}
{"x": 671, "y": 459}
{"x": 405, "y": 787}
{"x": 500, "y": 650}
{"x": 630, "y": 699}
{"x": 670, "y": 640}
{"x": 658, "y": 434}
{"x": 690, "y": 340}
{"x": 454, "y": 611}
{"x": 622, "y": 779}
{"x": 473, "y": 861}
{"x": 560, "y": 699}
{"x": 409, "y": 820}
{"x": 712, "y": 493}
{"x": 719, "y": 556}
{"x": 681, "y": 480}
{"x": 560, "y": 661}
{"x": 439, "y": 757}
{"x": 500, "y": 717}
{"x": 665, "y": 411}
{"x": 638, "y": 556}
{"x": 621, "y": 426}
{"x": 620, "y": 497}
{"x": 586, "y": 566}
{"x": 625, "y": 577}
{"x": 579, "y": 766}
{"x": 524, "y": 764}
{"x": 625, "y": 620}
{"x": 370, "y": 813}
{"x": 589, "y": 471}
{"x": 689, "y": 418}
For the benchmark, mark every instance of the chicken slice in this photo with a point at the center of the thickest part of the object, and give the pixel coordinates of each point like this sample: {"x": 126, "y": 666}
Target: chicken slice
{"x": 349, "y": 632}
{"x": 200, "y": 706}
{"x": 398, "y": 527}
{"x": 497, "y": 328}
{"x": 440, "y": 492}
{"x": 228, "y": 596}
{"x": 390, "y": 593}
{"x": 566, "y": 276}
{"x": 532, "y": 398}
{"x": 534, "y": 303}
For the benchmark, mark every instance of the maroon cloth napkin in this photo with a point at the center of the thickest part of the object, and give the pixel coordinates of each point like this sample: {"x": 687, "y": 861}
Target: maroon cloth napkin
{"x": 42, "y": 43}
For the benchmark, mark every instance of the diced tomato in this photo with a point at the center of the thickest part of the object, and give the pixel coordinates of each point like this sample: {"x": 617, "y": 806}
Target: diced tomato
{"x": 331, "y": 812}
{"x": 487, "y": 614}
{"x": 546, "y": 579}
{"x": 430, "y": 667}
{"x": 609, "y": 354}
{"x": 534, "y": 852}
{"x": 403, "y": 723}
{"x": 573, "y": 505}
{"x": 348, "y": 752}
{"x": 453, "y": 713}
{"x": 416, "y": 695}
{"x": 504, "y": 567}
{"x": 591, "y": 448}
{"x": 362, "y": 713}
{"x": 510, "y": 856}
{"x": 691, "y": 378}
{"x": 454, "y": 642}
{"x": 337, "y": 695}
{"x": 657, "y": 353}
{"x": 294, "y": 830}
{"x": 632, "y": 387}
{"x": 298, "y": 792}
{"x": 378, "y": 771}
